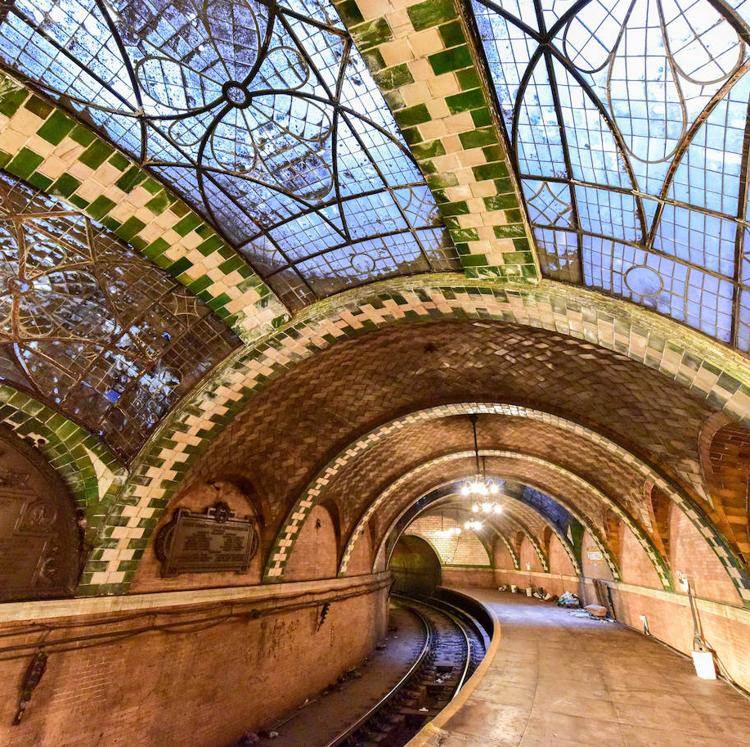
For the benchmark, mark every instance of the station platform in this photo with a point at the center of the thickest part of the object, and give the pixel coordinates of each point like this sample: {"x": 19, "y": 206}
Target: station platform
{"x": 554, "y": 678}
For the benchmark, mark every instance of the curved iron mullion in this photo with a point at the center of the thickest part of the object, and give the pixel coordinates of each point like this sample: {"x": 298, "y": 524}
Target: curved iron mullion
{"x": 643, "y": 195}
{"x": 532, "y": 539}
{"x": 574, "y": 212}
{"x": 329, "y": 203}
{"x": 201, "y": 175}
{"x": 739, "y": 237}
{"x": 636, "y": 245}
{"x": 104, "y": 10}
{"x": 273, "y": 6}
{"x": 548, "y": 48}
{"x": 207, "y": 174}
{"x": 684, "y": 145}
{"x": 321, "y": 252}
{"x": 612, "y": 127}
{"x": 62, "y": 50}
{"x": 334, "y": 146}
{"x": 345, "y": 113}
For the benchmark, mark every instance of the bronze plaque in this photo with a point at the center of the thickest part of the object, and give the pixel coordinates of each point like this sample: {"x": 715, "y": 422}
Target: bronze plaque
{"x": 215, "y": 541}
{"x": 39, "y": 539}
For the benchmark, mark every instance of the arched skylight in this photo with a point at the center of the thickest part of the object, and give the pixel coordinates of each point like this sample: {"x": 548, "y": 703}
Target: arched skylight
{"x": 627, "y": 121}
{"x": 261, "y": 115}
{"x": 91, "y": 327}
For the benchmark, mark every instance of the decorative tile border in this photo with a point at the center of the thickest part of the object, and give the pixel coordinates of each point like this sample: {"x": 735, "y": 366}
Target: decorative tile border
{"x": 508, "y": 546}
{"x": 421, "y": 58}
{"x": 47, "y": 148}
{"x": 533, "y": 540}
{"x": 91, "y": 472}
{"x": 290, "y": 530}
{"x": 708, "y": 369}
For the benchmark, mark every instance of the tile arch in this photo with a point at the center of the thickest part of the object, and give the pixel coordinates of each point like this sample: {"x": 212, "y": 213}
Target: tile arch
{"x": 710, "y": 371}
{"x": 409, "y": 477}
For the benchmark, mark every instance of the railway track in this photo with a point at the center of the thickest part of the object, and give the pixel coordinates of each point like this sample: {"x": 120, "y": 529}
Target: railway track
{"x": 454, "y": 644}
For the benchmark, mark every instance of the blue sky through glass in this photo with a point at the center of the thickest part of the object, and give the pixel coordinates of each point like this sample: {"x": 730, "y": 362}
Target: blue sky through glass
{"x": 627, "y": 120}
{"x": 262, "y": 116}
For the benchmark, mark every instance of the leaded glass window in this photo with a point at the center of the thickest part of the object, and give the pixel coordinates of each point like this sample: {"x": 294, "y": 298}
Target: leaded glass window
{"x": 262, "y": 115}
{"x": 90, "y": 326}
{"x": 627, "y": 121}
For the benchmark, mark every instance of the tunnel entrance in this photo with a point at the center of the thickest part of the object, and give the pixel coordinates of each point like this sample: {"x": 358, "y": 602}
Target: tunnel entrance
{"x": 415, "y": 567}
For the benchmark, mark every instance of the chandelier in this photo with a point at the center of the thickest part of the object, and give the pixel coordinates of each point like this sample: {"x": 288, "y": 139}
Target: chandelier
{"x": 479, "y": 486}
{"x": 475, "y": 525}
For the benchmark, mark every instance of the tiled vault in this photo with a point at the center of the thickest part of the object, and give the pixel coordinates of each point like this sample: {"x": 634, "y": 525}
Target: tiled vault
{"x": 405, "y": 367}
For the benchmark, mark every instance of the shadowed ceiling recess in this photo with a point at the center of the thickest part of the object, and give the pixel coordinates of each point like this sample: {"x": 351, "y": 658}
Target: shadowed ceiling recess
{"x": 261, "y": 115}
{"x": 627, "y": 122}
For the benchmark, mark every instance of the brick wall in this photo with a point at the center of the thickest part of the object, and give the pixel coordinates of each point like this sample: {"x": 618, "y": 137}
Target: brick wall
{"x": 205, "y": 687}
{"x": 528, "y": 557}
{"x": 316, "y": 549}
{"x": 591, "y": 565}
{"x": 478, "y": 577}
{"x": 463, "y": 549}
{"x": 362, "y": 555}
{"x": 502, "y": 557}
{"x": 727, "y": 630}
{"x": 554, "y": 584}
{"x": 559, "y": 562}
{"x": 692, "y": 555}
{"x": 562, "y": 576}
{"x": 635, "y": 566}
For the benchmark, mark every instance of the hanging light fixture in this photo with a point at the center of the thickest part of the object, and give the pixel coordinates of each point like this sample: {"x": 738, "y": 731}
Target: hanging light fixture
{"x": 479, "y": 486}
{"x": 475, "y": 525}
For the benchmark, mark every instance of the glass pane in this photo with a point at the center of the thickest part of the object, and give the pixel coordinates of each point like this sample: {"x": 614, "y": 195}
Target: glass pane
{"x": 652, "y": 100}
{"x": 253, "y": 115}
{"x": 91, "y": 326}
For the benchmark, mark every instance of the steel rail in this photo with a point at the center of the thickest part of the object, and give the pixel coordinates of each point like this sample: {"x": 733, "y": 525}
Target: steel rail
{"x": 424, "y": 652}
{"x": 462, "y": 627}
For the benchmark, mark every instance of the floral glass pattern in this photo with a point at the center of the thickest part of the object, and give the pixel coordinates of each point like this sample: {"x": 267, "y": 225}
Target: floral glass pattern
{"x": 261, "y": 115}
{"x": 90, "y": 326}
{"x": 628, "y": 124}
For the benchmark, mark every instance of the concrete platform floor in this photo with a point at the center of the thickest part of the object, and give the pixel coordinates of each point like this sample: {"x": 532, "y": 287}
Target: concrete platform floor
{"x": 563, "y": 680}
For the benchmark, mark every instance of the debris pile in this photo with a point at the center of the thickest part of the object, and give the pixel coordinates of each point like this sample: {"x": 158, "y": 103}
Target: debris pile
{"x": 568, "y": 599}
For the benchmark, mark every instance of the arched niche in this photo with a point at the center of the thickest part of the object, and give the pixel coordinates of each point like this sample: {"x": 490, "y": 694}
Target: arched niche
{"x": 40, "y": 543}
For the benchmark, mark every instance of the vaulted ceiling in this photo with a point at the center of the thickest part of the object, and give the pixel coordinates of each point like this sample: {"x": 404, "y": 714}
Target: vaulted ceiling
{"x": 193, "y": 193}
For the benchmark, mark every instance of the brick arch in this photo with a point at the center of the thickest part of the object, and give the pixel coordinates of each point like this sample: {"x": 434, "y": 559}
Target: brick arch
{"x": 447, "y": 549}
{"x": 661, "y": 345}
{"x": 724, "y": 448}
{"x": 513, "y": 505}
{"x": 285, "y": 538}
{"x": 42, "y": 546}
{"x": 91, "y": 472}
{"x": 659, "y": 506}
{"x": 411, "y": 476}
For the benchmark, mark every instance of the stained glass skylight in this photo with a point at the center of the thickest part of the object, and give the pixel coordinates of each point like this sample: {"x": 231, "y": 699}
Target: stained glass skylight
{"x": 627, "y": 121}
{"x": 90, "y": 326}
{"x": 261, "y": 115}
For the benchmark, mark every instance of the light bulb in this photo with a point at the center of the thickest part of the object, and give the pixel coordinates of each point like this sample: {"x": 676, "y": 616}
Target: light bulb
{"x": 475, "y": 508}
{"x": 465, "y": 490}
{"x": 498, "y": 508}
{"x": 493, "y": 488}
{"x": 486, "y": 508}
